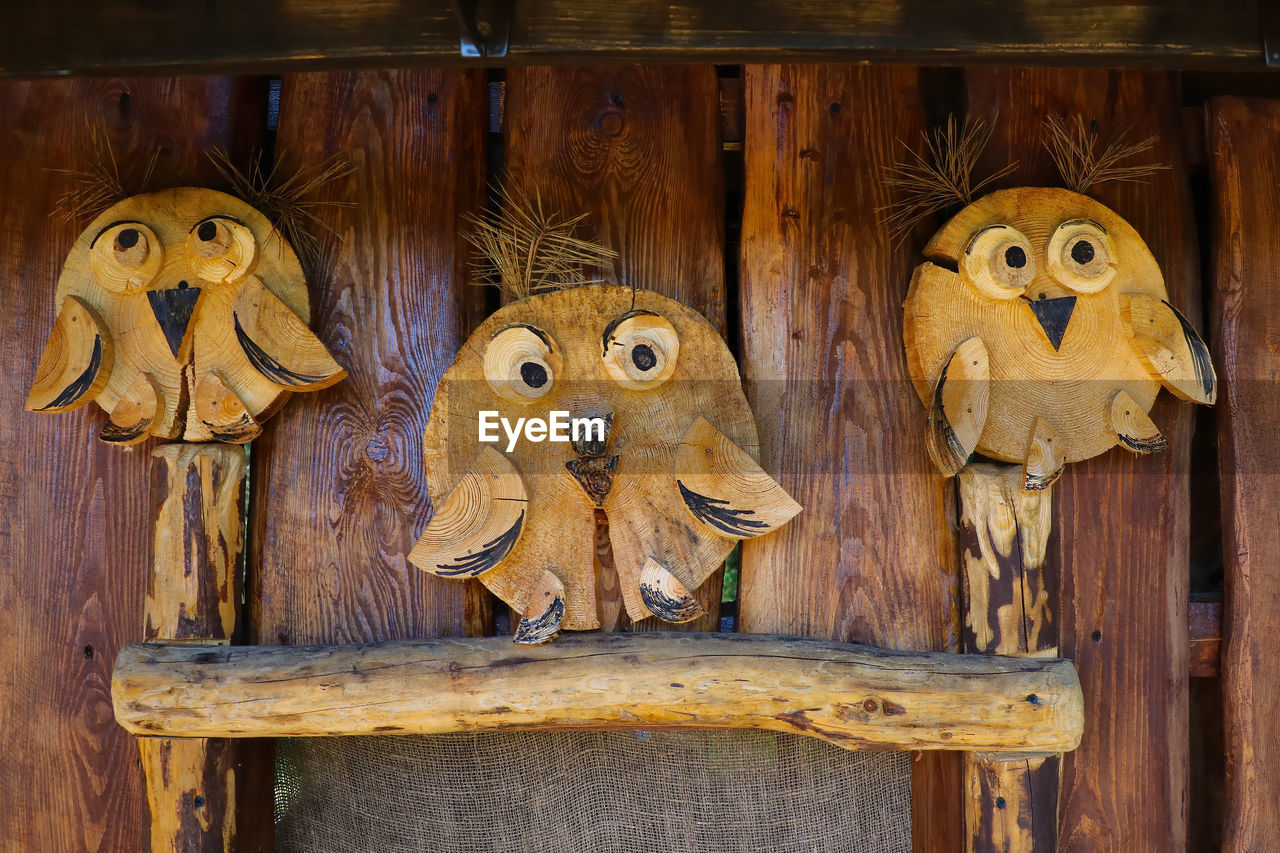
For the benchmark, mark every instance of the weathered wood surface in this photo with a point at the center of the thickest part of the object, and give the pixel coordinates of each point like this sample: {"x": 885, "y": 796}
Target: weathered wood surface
{"x": 872, "y": 558}
{"x": 339, "y": 487}
{"x": 1011, "y": 802}
{"x": 852, "y": 696}
{"x": 1122, "y": 521}
{"x": 194, "y": 589}
{"x": 1010, "y": 584}
{"x": 64, "y": 36}
{"x": 76, "y": 540}
{"x": 194, "y": 596}
{"x": 1244, "y": 166}
{"x": 639, "y": 149}
{"x": 1011, "y": 606}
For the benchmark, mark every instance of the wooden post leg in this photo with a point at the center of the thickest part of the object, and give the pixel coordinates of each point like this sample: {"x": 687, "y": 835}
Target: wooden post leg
{"x": 1010, "y": 609}
{"x": 193, "y": 596}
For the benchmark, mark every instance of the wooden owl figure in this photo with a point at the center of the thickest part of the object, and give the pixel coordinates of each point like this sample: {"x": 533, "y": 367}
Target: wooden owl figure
{"x": 1039, "y": 331}
{"x": 182, "y": 314}
{"x": 655, "y": 434}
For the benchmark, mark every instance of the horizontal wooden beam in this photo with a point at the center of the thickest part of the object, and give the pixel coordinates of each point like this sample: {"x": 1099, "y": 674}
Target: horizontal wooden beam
{"x": 853, "y": 696}
{"x": 139, "y": 36}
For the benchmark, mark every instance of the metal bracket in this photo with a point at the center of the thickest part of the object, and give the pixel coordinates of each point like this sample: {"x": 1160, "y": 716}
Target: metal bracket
{"x": 486, "y": 26}
{"x": 1269, "y": 24}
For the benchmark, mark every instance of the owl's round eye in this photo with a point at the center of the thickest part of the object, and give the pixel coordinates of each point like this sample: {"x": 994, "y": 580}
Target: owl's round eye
{"x": 640, "y": 350}
{"x": 126, "y": 257}
{"x": 520, "y": 363}
{"x": 999, "y": 262}
{"x": 221, "y": 249}
{"x": 1080, "y": 256}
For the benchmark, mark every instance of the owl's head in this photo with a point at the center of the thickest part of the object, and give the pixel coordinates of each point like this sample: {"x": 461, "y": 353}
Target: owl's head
{"x": 1046, "y": 253}
{"x": 182, "y": 314}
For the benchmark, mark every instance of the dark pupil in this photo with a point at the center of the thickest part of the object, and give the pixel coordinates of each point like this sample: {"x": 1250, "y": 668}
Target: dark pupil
{"x": 1015, "y": 257}
{"x": 642, "y": 357}
{"x": 1082, "y": 252}
{"x": 128, "y": 238}
{"x": 207, "y": 231}
{"x": 533, "y": 374}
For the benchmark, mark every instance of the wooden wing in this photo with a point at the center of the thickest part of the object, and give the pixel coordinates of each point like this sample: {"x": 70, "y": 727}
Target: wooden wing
{"x": 958, "y": 412}
{"x": 1169, "y": 347}
{"x": 278, "y": 344}
{"x": 76, "y": 362}
{"x": 725, "y": 489}
{"x": 478, "y": 523}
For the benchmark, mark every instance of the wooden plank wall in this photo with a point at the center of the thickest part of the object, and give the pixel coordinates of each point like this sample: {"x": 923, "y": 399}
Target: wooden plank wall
{"x": 338, "y": 490}
{"x": 76, "y": 528}
{"x": 1244, "y": 165}
{"x": 872, "y": 557}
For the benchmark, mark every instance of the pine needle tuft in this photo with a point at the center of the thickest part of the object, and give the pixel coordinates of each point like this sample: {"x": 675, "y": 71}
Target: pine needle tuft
{"x": 100, "y": 181}
{"x": 940, "y": 177}
{"x": 524, "y": 249}
{"x": 1075, "y": 150}
{"x": 283, "y": 195}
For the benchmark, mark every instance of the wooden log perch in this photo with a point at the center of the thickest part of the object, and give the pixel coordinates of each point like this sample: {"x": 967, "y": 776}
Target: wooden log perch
{"x": 852, "y": 696}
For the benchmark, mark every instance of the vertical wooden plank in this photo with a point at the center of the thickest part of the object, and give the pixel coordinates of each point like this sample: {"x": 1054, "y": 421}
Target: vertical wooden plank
{"x": 1122, "y": 521}
{"x": 339, "y": 494}
{"x": 639, "y": 148}
{"x": 1245, "y": 169}
{"x": 75, "y": 533}
{"x": 1010, "y": 608}
{"x": 872, "y": 558}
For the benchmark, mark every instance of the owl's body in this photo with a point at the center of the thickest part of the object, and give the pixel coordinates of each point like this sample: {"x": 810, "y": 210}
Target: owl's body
{"x": 1068, "y": 307}
{"x": 200, "y": 309}
{"x": 654, "y": 369}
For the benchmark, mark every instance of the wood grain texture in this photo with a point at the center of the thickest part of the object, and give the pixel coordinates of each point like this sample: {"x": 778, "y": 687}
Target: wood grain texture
{"x": 1011, "y": 802}
{"x": 1244, "y": 165}
{"x": 1122, "y": 521}
{"x": 639, "y": 148}
{"x": 853, "y": 696}
{"x": 75, "y": 540}
{"x": 62, "y": 35}
{"x": 339, "y": 488}
{"x": 872, "y": 558}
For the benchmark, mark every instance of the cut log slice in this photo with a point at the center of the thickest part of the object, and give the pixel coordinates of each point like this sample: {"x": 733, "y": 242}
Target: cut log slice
{"x": 278, "y": 344}
{"x": 665, "y": 596}
{"x": 725, "y": 489}
{"x": 958, "y": 413}
{"x": 478, "y": 523}
{"x": 1045, "y": 458}
{"x": 136, "y": 415}
{"x": 1169, "y": 347}
{"x": 544, "y": 612}
{"x": 76, "y": 362}
{"x": 223, "y": 413}
{"x": 1133, "y": 428}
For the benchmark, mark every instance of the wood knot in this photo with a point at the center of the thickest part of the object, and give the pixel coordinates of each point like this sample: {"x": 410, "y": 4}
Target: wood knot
{"x": 610, "y": 123}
